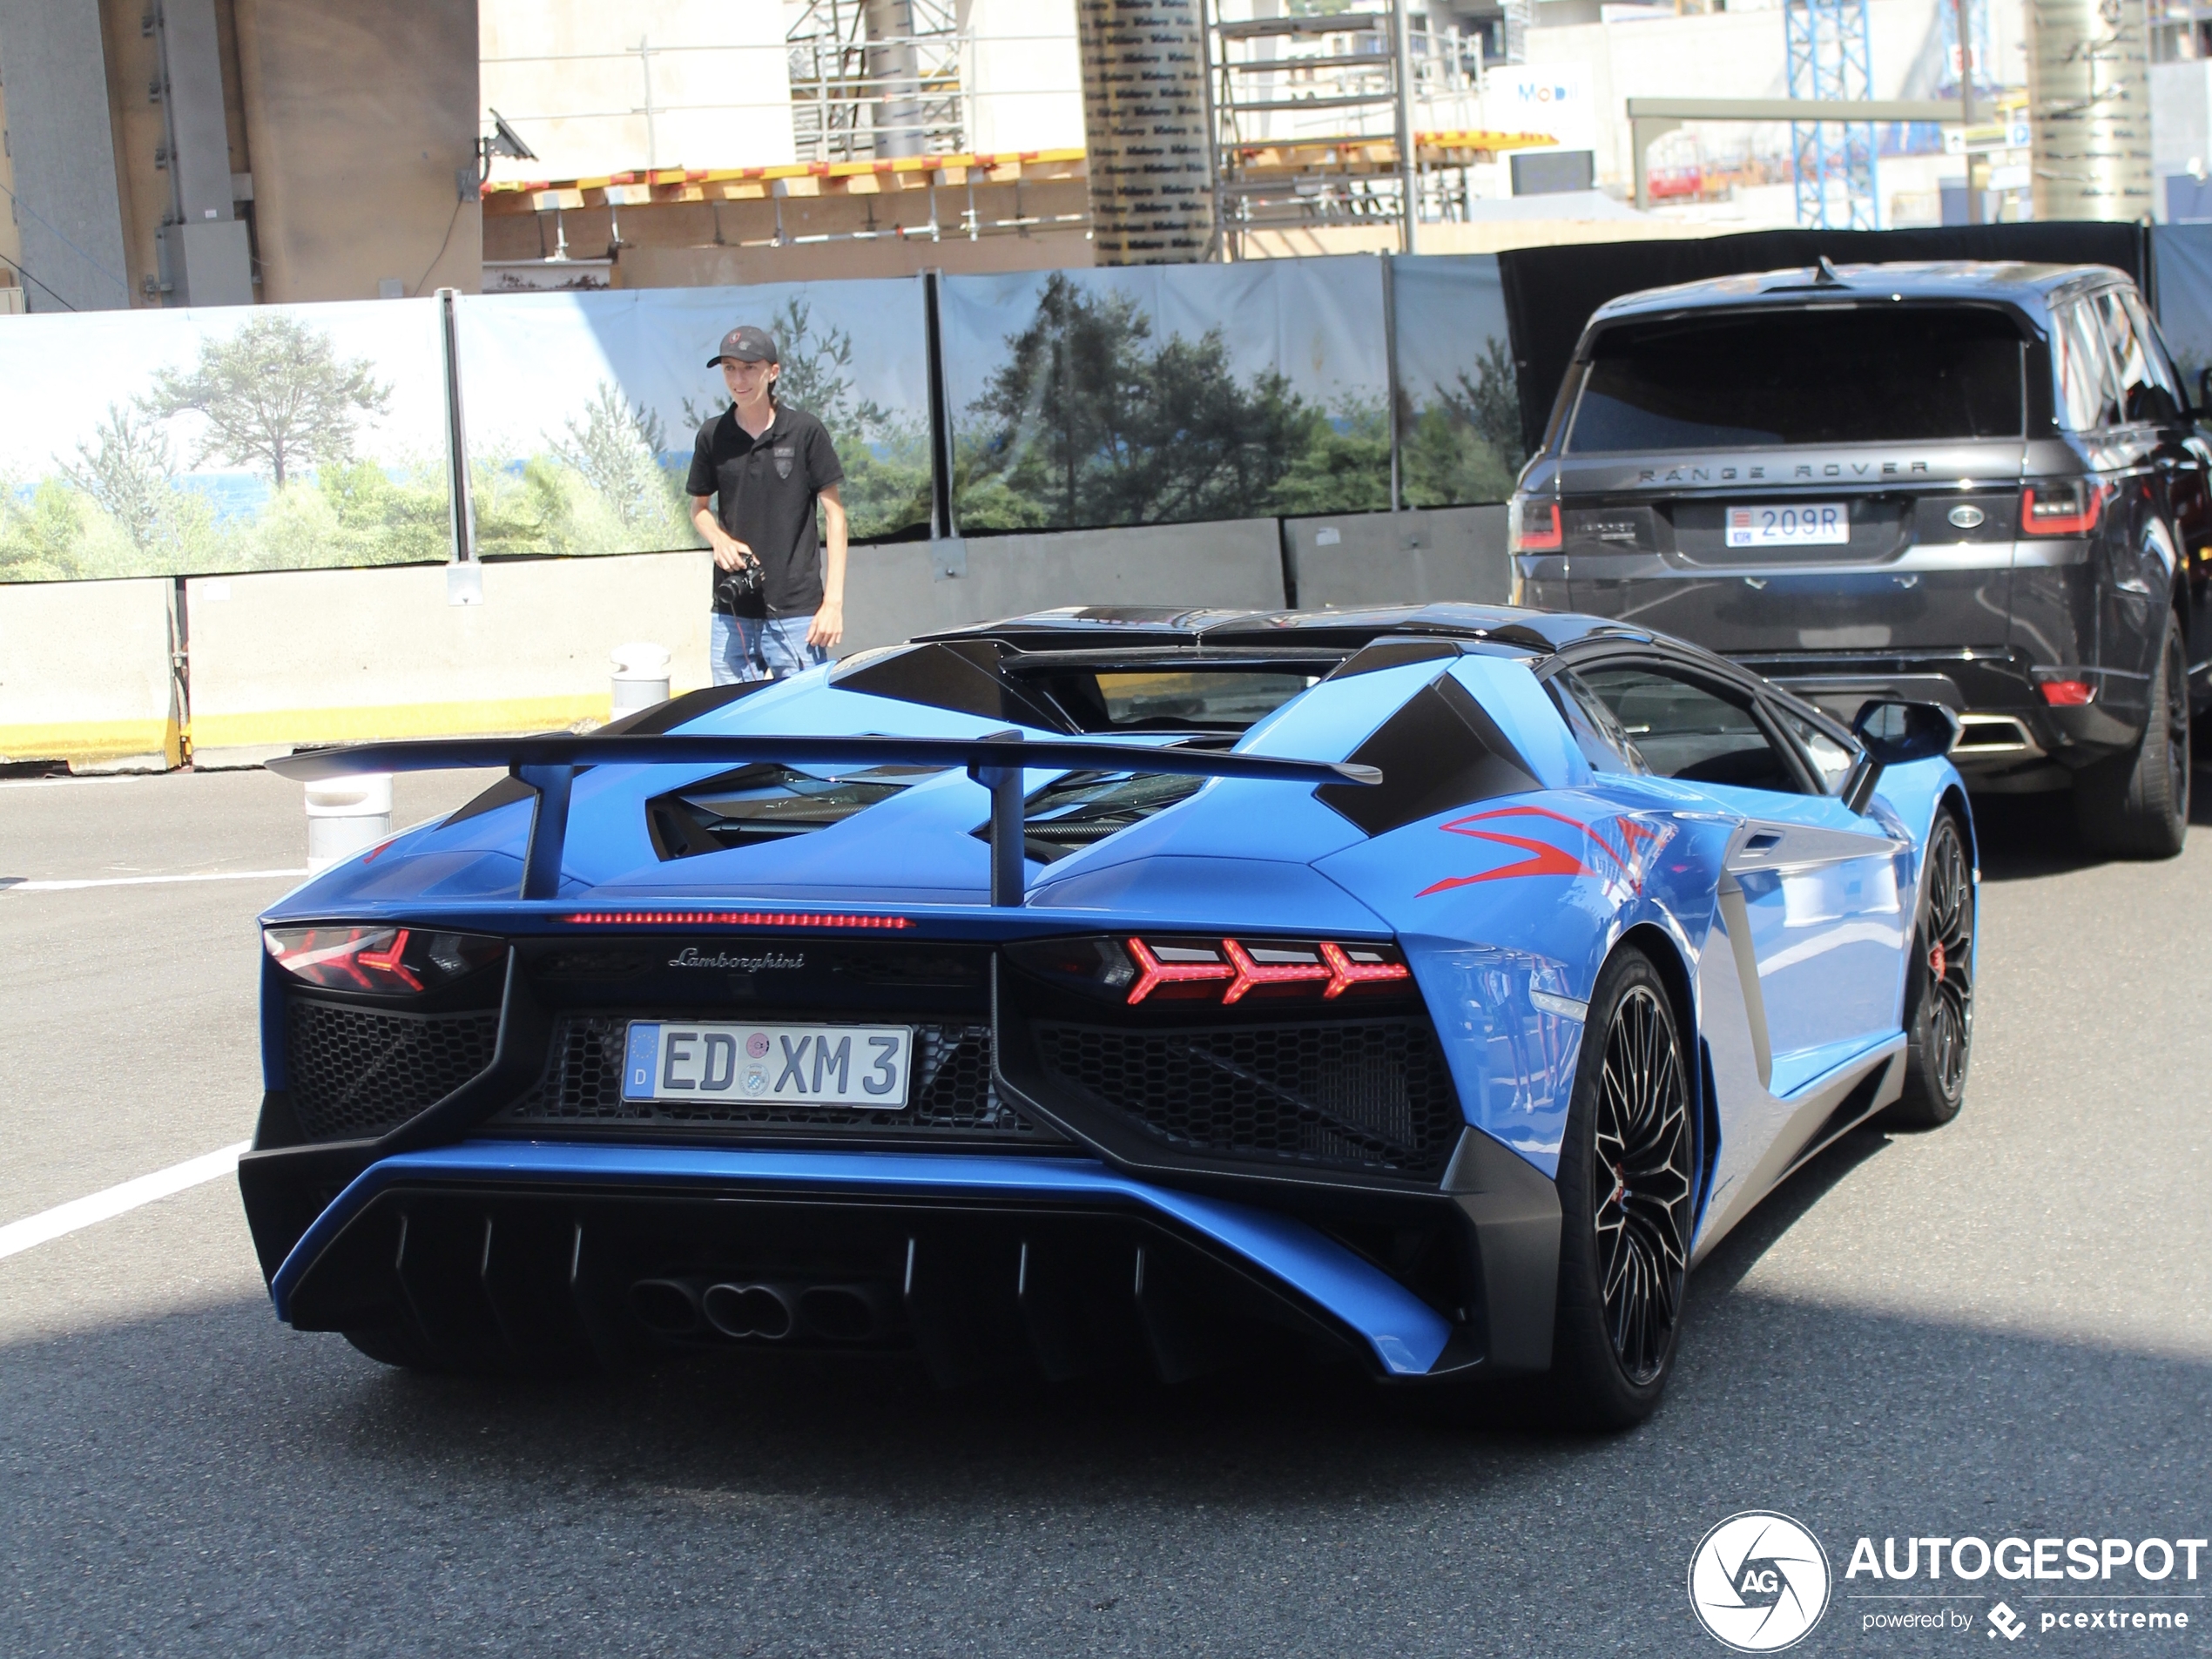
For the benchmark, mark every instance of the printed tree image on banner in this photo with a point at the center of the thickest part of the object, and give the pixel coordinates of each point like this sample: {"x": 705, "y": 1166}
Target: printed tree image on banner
{"x": 199, "y": 443}
{"x": 1459, "y": 412}
{"x": 581, "y": 408}
{"x": 1166, "y": 394}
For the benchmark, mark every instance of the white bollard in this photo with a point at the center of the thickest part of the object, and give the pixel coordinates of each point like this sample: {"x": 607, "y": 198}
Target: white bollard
{"x": 346, "y": 815}
{"x": 641, "y": 677}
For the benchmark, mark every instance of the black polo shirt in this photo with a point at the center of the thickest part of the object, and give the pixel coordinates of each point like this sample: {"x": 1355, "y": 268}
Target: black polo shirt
{"x": 764, "y": 491}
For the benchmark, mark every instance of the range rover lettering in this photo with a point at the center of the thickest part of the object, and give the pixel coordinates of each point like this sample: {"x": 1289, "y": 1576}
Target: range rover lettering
{"x": 1979, "y": 485}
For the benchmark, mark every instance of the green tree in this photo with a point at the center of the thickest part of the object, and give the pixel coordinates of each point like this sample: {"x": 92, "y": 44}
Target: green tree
{"x": 128, "y": 470}
{"x": 615, "y": 447}
{"x": 1091, "y": 422}
{"x": 1343, "y": 467}
{"x": 1489, "y": 401}
{"x": 1464, "y": 446}
{"x": 382, "y": 519}
{"x": 275, "y": 394}
{"x": 41, "y": 538}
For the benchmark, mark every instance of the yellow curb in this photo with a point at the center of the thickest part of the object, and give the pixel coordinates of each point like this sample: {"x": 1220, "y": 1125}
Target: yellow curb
{"x": 395, "y": 720}
{"x": 91, "y": 740}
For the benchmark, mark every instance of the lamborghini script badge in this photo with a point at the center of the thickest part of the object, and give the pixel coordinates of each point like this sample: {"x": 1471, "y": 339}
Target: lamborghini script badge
{"x": 774, "y": 961}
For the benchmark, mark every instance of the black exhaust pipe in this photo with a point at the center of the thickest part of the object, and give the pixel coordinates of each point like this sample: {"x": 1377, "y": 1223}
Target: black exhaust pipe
{"x": 740, "y": 1310}
{"x": 667, "y": 1307}
{"x": 840, "y": 1313}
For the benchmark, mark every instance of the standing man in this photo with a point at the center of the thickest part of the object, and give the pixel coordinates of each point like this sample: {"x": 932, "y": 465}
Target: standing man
{"x": 757, "y": 472}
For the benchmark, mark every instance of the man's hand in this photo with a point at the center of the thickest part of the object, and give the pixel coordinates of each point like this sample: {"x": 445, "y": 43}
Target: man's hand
{"x": 729, "y": 554}
{"x": 828, "y": 626}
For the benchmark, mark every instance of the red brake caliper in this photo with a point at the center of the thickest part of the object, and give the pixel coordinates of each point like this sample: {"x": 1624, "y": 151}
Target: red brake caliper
{"x": 1935, "y": 960}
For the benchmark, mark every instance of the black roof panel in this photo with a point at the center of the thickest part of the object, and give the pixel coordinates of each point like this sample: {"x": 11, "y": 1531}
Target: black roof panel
{"x": 2012, "y": 281}
{"x": 1089, "y": 628}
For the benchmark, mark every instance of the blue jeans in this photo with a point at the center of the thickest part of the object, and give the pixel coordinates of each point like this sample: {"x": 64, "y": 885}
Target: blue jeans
{"x": 750, "y": 648}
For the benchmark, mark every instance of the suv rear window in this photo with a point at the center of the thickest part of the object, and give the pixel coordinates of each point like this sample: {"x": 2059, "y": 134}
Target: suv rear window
{"x": 1732, "y": 379}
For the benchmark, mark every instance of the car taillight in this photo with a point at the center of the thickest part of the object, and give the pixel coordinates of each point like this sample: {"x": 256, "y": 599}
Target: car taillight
{"x": 1533, "y": 527}
{"x": 2061, "y": 507}
{"x": 2066, "y": 694}
{"x": 1157, "y": 967}
{"x": 391, "y": 961}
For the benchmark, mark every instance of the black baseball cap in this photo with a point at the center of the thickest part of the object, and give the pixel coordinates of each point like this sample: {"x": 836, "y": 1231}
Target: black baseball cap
{"x": 747, "y": 345}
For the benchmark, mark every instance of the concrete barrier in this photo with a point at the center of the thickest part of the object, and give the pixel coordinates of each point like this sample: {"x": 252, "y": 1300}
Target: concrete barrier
{"x": 331, "y": 656}
{"x": 1398, "y": 558}
{"x": 897, "y": 590}
{"x": 84, "y": 673}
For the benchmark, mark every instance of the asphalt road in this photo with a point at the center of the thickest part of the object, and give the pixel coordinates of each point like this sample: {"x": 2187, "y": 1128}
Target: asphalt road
{"x": 2002, "y": 1327}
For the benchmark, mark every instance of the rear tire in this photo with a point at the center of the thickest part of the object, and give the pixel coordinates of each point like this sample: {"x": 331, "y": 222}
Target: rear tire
{"x": 1939, "y": 986}
{"x": 2137, "y": 806}
{"x": 1627, "y": 1177}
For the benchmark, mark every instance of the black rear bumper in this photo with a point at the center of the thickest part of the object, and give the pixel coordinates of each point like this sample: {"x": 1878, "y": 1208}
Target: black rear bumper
{"x": 2009, "y": 738}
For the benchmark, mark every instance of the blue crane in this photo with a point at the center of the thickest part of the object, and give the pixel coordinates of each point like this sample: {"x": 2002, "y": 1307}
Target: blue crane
{"x": 1834, "y": 161}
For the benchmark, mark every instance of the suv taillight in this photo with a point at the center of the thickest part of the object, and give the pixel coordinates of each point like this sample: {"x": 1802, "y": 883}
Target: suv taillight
{"x": 2061, "y": 507}
{"x": 1533, "y": 527}
{"x": 399, "y": 961}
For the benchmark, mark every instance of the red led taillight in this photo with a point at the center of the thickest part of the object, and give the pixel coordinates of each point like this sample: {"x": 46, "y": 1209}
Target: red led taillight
{"x": 1184, "y": 964}
{"x": 2068, "y": 507}
{"x": 2068, "y": 694}
{"x": 394, "y": 962}
{"x": 1274, "y": 966}
{"x": 1278, "y": 966}
{"x": 1372, "y": 966}
{"x": 1210, "y": 968}
{"x": 730, "y": 918}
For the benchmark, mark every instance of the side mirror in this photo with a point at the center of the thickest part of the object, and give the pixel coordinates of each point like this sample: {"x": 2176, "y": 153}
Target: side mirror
{"x": 2203, "y": 392}
{"x": 1895, "y": 733}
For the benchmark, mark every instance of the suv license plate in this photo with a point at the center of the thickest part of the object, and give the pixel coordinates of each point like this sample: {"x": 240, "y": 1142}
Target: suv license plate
{"x": 1819, "y": 523}
{"x": 822, "y": 1065}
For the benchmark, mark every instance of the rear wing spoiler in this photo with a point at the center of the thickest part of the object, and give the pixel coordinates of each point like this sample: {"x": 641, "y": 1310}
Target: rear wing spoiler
{"x": 548, "y": 764}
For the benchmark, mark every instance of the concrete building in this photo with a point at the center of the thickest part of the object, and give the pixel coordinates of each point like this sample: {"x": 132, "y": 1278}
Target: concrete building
{"x": 222, "y": 152}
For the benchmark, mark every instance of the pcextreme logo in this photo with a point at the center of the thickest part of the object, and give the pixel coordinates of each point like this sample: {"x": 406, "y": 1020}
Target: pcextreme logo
{"x": 1758, "y": 1581}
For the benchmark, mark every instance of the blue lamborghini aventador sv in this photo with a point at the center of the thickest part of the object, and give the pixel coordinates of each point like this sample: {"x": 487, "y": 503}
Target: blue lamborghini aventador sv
{"x": 1424, "y": 987}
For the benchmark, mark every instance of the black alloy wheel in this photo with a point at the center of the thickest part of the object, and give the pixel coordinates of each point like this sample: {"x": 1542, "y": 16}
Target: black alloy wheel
{"x": 2136, "y": 806}
{"x": 1939, "y": 984}
{"x": 1626, "y": 1184}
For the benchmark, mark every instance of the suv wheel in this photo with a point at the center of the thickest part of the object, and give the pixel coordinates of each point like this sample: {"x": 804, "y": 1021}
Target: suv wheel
{"x": 2137, "y": 806}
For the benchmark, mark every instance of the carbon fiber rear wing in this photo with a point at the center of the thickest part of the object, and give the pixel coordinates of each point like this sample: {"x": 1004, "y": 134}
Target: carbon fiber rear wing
{"x": 548, "y": 764}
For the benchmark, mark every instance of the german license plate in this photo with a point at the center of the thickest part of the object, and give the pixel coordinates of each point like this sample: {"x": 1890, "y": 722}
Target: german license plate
{"x": 1818, "y": 523}
{"x": 823, "y": 1065}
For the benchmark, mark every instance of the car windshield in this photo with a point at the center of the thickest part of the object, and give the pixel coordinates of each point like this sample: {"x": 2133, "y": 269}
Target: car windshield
{"x": 1812, "y": 375}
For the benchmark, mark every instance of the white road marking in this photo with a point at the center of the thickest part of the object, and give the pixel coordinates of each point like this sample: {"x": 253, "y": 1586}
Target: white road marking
{"x": 8, "y": 886}
{"x": 103, "y": 1206}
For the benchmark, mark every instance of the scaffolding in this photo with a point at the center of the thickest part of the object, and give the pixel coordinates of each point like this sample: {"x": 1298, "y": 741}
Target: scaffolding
{"x": 1833, "y": 161}
{"x": 875, "y": 79}
{"x": 1360, "y": 117}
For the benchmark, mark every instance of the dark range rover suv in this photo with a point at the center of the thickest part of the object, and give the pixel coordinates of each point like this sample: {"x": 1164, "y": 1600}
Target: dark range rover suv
{"x": 1974, "y": 484}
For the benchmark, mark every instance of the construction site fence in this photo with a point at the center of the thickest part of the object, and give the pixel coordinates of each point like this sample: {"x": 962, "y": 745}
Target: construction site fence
{"x": 227, "y": 442}
{"x": 159, "y": 443}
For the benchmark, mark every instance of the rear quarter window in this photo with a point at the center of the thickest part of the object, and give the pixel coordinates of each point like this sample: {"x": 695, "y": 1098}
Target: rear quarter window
{"x": 1855, "y": 374}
